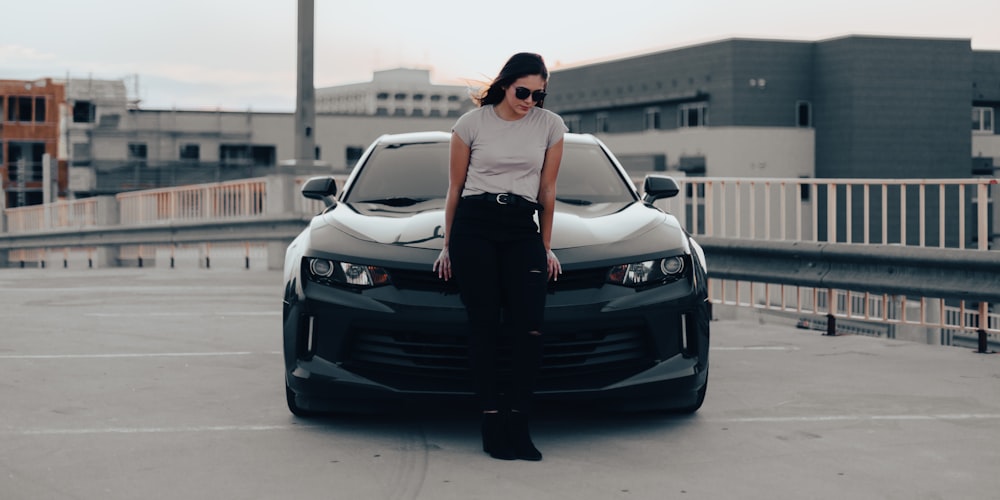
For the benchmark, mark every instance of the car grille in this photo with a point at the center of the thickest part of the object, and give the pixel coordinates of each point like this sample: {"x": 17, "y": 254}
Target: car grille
{"x": 406, "y": 279}
{"x": 581, "y": 359}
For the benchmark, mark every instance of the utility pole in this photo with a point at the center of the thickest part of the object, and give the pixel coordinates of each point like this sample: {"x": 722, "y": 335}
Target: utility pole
{"x": 305, "y": 100}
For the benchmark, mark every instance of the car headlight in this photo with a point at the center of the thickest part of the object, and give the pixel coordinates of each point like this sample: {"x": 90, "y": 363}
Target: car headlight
{"x": 649, "y": 272}
{"x": 329, "y": 272}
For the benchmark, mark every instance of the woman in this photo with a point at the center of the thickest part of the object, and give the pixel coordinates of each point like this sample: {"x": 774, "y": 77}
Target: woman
{"x": 504, "y": 160}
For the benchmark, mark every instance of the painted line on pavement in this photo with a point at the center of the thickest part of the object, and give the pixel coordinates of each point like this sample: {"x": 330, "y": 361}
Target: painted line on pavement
{"x": 862, "y": 418}
{"x": 182, "y": 314}
{"x": 755, "y": 348}
{"x": 155, "y": 430}
{"x": 286, "y": 427}
{"x": 132, "y": 355}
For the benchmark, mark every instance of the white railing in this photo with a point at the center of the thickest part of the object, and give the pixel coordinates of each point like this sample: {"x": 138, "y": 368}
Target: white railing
{"x": 940, "y": 213}
{"x": 944, "y": 213}
{"x": 58, "y": 215}
{"x": 223, "y": 200}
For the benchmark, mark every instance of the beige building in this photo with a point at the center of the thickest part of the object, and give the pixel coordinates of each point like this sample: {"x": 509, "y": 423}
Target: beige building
{"x": 112, "y": 145}
{"x": 395, "y": 92}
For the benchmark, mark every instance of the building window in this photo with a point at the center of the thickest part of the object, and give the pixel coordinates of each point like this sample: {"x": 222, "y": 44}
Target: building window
{"x": 382, "y": 96}
{"x": 190, "y": 152}
{"x": 137, "y": 153}
{"x": 19, "y": 109}
{"x": 803, "y": 114}
{"x": 982, "y": 120}
{"x": 84, "y": 112}
{"x": 81, "y": 154}
{"x": 692, "y": 115}
{"x": 247, "y": 154}
{"x": 602, "y": 122}
{"x": 40, "y": 109}
{"x": 401, "y": 96}
{"x": 352, "y": 154}
{"x": 651, "y": 119}
{"x": 436, "y": 98}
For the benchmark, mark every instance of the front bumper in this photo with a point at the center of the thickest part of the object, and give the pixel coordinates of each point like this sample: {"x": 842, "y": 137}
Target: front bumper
{"x": 614, "y": 346}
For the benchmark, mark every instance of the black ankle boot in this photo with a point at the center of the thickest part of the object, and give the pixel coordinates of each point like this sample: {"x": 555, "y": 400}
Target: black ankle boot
{"x": 495, "y": 439}
{"x": 520, "y": 437}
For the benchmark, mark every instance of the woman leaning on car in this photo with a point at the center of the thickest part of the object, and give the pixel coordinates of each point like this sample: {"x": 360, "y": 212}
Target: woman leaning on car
{"x": 504, "y": 160}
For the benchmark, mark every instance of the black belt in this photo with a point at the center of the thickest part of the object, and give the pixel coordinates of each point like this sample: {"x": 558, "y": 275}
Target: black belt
{"x": 507, "y": 199}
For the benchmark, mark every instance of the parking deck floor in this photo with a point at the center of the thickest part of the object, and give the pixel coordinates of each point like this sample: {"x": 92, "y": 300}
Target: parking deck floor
{"x": 131, "y": 383}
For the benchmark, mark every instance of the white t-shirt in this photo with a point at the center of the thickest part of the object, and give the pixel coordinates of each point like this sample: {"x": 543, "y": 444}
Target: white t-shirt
{"x": 507, "y": 156}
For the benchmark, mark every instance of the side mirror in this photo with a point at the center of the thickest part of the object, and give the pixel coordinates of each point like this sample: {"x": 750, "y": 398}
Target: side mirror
{"x": 659, "y": 186}
{"x": 321, "y": 188}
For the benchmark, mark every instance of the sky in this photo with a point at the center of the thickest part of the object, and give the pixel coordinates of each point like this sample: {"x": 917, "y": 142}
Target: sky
{"x": 241, "y": 54}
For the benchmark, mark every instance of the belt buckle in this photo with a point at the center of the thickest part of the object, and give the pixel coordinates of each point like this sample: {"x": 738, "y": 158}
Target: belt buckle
{"x": 503, "y": 198}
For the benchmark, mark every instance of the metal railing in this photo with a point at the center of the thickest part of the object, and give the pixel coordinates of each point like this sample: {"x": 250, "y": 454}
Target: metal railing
{"x": 58, "y": 215}
{"x": 223, "y": 200}
{"x": 952, "y": 213}
{"x": 919, "y": 213}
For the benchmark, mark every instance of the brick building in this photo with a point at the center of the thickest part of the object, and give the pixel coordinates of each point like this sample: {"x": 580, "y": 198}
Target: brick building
{"x": 29, "y": 130}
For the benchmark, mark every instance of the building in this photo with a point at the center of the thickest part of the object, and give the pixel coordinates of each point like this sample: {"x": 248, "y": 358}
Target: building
{"x": 114, "y": 146}
{"x": 856, "y": 106}
{"x": 29, "y": 133}
{"x": 395, "y": 92}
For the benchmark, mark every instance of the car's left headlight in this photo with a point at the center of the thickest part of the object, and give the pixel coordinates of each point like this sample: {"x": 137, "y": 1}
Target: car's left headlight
{"x": 649, "y": 272}
{"x": 329, "y": 272}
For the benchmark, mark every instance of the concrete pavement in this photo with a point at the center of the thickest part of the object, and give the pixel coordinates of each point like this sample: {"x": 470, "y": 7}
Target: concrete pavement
{"x": 158, "y": 383}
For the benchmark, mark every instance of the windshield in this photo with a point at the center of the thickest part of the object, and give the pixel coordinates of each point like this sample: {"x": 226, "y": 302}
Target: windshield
{"x": 409, "y": 174}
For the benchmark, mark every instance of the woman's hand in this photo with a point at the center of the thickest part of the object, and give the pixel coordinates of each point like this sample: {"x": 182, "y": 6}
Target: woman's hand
{"x": 442, "y": 265}
{"x": 555, "y": 268}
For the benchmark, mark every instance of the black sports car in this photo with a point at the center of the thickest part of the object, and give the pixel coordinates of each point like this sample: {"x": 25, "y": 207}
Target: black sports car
{"x": 366, "y": 320}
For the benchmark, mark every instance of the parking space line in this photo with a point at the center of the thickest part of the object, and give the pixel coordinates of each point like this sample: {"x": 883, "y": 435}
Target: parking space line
{"x": 154, "y": 430}
{"x": 132, "y": 355}
{"x": 182, "y": 314}
{"x": 755, "y": 348}
{"x": 286, "y": 427}
{"x": 862, "y": 418}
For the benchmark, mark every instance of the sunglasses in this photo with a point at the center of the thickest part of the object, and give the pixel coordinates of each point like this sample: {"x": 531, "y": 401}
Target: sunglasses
{"x": 523, "y": 93}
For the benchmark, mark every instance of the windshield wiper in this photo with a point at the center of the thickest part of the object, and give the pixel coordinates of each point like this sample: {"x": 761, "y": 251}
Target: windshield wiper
{"x": 575, "y": 201}
{"x": 400, "y": 201}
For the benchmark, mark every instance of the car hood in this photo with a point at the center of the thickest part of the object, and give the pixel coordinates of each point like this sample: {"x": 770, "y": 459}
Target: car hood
{"x": 574, "y": 227}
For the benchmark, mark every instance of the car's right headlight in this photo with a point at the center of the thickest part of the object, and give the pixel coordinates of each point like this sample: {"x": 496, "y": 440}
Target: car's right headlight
{"x": 346, "y": 274}
{"x": 648, "y": 272}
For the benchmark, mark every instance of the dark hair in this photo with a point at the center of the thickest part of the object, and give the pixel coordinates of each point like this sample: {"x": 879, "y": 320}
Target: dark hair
{"x": 519, "y": 65}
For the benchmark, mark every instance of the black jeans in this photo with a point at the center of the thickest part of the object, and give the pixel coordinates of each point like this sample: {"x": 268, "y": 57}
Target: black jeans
{"x": 499, "y": 262}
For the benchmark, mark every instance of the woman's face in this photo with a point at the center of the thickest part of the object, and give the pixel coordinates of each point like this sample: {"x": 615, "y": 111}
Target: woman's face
{"x": 521, "y": 107}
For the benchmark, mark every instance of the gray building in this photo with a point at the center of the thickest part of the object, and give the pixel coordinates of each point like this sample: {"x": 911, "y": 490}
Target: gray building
{"x": 852, "y": 107}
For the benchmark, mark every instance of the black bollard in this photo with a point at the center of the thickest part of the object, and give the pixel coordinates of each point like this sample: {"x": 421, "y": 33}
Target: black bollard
{"x": 983, "y": 344}
{"x": 831, "y": 325}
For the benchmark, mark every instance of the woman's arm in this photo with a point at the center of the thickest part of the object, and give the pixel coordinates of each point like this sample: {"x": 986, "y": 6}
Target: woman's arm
{"x": 547, "y": 198}
{"x": 458, "y": 169}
